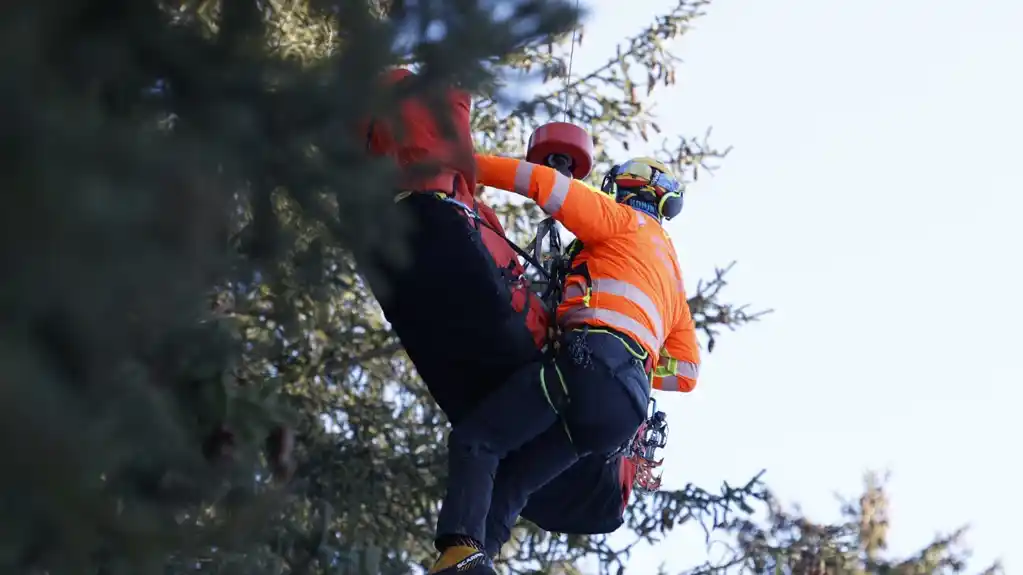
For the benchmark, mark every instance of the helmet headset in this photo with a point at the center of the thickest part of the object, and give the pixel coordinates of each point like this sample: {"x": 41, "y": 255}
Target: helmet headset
{"x": 645, "y": 184}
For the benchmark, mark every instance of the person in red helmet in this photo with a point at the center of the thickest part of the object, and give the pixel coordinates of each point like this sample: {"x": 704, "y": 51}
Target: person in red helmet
{"x": 626, "y": 323}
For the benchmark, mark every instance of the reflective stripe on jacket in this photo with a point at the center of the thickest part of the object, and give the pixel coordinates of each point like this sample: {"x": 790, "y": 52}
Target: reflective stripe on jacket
{"x": 636, "y": 284}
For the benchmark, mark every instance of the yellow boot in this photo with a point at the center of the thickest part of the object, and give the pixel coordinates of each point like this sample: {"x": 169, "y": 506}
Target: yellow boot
{"x": 461, "y": 560}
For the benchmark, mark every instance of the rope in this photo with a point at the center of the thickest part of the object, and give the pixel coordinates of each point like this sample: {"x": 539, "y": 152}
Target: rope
{"x": 571, "y": 60}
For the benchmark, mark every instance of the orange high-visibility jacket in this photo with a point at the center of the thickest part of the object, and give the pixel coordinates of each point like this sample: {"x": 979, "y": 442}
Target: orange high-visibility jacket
{"x": 636, "y": 280}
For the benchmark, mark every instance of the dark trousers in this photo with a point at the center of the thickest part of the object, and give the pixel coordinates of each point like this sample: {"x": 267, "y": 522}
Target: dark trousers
{"x": 587, "y": 498}
{"x": 513, "y": 443}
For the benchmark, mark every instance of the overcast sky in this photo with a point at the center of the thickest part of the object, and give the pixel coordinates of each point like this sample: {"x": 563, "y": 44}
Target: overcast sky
{"x": 873, "y": 200}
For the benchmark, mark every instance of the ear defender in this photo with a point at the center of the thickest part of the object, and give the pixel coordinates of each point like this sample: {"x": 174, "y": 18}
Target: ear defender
{"x": 670, "y": 205}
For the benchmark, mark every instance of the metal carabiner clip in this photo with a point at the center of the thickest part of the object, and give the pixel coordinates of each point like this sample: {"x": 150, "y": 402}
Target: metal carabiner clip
{"x": 651, "y": 436}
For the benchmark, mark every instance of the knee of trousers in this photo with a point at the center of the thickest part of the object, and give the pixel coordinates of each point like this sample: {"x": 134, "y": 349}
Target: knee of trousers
{"x": 467, "y": 442}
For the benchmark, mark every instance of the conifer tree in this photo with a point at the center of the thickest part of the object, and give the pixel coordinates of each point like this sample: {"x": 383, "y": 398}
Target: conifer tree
{"x": 195, "y": 376}
{"x": 857, "y": 544}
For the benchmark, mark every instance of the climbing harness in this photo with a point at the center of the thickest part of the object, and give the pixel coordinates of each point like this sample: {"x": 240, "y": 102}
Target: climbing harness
{"x": 555, "y": 266}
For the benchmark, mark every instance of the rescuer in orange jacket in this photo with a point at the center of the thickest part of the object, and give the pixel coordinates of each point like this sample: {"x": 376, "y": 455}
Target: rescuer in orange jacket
{"x": 626, "y": 323}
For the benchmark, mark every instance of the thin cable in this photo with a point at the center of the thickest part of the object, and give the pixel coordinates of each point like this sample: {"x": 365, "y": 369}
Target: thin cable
{"x": 571, "y": 59}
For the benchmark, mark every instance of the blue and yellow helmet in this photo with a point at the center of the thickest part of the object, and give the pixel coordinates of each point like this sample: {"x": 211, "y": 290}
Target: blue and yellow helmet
{"x": 646, "y": 180}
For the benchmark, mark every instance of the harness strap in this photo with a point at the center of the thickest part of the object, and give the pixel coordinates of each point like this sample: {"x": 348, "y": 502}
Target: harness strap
{"x": 547, "y": 227}
{"x": 480, "y": 221}
{"x": 643, "y": 355}
{"x": 556, "y": 394}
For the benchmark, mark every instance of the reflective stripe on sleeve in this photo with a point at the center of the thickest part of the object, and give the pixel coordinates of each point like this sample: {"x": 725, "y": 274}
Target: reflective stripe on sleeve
{"x": 523, "y": 174}
{"x": 685, "y": 369}
{"x": 559, "y": 191}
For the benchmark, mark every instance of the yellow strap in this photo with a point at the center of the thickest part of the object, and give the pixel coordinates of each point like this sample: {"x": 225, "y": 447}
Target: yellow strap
{"x": 637, "y": 355}
{"x": 564, "y": 387}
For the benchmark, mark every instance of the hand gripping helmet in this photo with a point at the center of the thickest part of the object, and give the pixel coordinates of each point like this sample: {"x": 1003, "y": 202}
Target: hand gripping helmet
{"x": 645, "y": 184}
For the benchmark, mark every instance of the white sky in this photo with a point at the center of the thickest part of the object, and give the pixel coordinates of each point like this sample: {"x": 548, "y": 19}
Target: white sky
{"x": 873, "y": 200}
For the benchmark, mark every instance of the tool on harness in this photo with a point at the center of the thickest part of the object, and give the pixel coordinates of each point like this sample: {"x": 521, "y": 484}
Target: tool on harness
{"x": 642, "y": 449}
{"x": 551, "y": 287}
